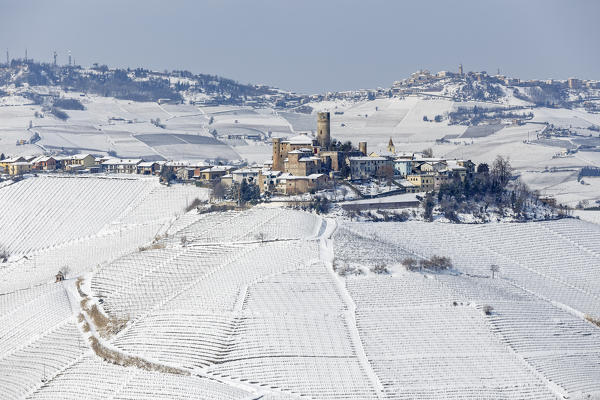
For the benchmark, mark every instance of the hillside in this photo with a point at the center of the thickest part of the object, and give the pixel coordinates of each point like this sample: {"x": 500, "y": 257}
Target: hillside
{"x": 253, "y": 304}
{"x": 548, "y": 130}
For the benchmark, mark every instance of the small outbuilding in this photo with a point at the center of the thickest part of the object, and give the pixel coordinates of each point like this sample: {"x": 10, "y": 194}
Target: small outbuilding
{"x": 60, "y": 276}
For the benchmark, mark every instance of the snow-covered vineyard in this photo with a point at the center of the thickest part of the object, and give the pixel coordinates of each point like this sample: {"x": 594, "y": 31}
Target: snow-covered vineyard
{"x": 247, "y": 305}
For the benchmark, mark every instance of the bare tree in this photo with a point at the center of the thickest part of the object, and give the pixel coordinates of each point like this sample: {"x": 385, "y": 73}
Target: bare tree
{"x": 501, "y": 171}
{"x": 380, "y": 269}
{"x": 427, "y": 153}
{"x": 410, "y": 264}
{"x": 494, "y": 268}
{"x": 218, "y": 191}
{"x": 385, "y": 172}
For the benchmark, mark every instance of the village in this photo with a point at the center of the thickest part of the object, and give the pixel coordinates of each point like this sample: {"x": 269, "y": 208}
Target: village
{"x": 300, "y": 164}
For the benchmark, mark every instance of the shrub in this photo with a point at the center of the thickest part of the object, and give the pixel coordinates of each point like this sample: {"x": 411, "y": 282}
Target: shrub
{"x": 216, "y": 208}
{"x": 321, "y": 205}
{"x": 410, "y": 264}
{"x": 428, "y": 205}
{"x": 346, "y": 269}
{"x": 436, "y": 263}
{"x": 380, "y": 269}
{"x": 194, "y": 204}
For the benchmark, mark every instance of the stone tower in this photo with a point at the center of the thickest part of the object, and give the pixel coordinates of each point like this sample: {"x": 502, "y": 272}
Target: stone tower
{"x": 323, "y": 129}
{"x": 277, "y": 159}
{"x": 362, "y": 147}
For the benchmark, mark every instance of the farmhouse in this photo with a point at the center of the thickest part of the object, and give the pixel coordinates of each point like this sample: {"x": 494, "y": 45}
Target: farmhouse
{"x": 43, "y": 163}
{"x": 185, "y": 173}
{"x": 18, "y": 168}
{"x": 8, "y": 161}
{"x": 215, "y": 172}
{"x": 148, "y": 167}
{"x": 425, "y": 182}
{"x": 123, "y": 166}
{"x": 78, "y": 160}
{"x": 250, "y": 175}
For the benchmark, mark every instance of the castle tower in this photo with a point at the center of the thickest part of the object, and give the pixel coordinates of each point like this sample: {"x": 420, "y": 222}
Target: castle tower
{"x": 362, "y": 147}
{"x": 323, "y": 129}
{"x": 277, "y": 159}
{"x": 391, "y": 148}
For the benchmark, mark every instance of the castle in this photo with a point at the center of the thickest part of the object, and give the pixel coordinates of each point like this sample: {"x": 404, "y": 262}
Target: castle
{"x": 303, "y": 164}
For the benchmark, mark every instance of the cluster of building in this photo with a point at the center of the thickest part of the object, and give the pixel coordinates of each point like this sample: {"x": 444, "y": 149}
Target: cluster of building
{"x": 304, "y": 164}
{"x": 424, "y": 76}
{"x": 300, "y": 164}
{"x": 87, "y": 163}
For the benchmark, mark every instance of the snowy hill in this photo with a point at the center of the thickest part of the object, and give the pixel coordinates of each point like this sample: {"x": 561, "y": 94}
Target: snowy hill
{"x": 548, "y": 130}
{"x": 160, "y": 303}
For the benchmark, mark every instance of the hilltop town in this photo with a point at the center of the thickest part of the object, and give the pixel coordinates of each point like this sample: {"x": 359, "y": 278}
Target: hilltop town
{"x": 188, "y": 123}
{"x": 300, "y": 164}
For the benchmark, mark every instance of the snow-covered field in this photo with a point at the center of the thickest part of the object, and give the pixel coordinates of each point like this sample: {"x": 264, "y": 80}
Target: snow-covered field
{"x": 246, "y": 304}
{"x": 50, "y": 222}
{"x": 112, "y": 125}
{"x": 426, "y": 334}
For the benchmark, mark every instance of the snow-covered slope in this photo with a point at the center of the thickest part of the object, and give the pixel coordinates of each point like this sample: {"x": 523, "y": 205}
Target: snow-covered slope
{"x": 51, "y": 222}
{"x": 426, "y": 334}
{"x": 247, "y": 304}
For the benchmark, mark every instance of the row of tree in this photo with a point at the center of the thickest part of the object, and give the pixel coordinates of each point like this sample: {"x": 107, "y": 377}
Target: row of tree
{"x": 125, "y": 83}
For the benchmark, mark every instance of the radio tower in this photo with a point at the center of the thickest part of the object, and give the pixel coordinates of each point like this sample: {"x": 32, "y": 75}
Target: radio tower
{"x": 55, "y": 58}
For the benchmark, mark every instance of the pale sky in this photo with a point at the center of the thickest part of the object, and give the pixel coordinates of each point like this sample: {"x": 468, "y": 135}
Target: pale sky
{"x": 312, "y": 46}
